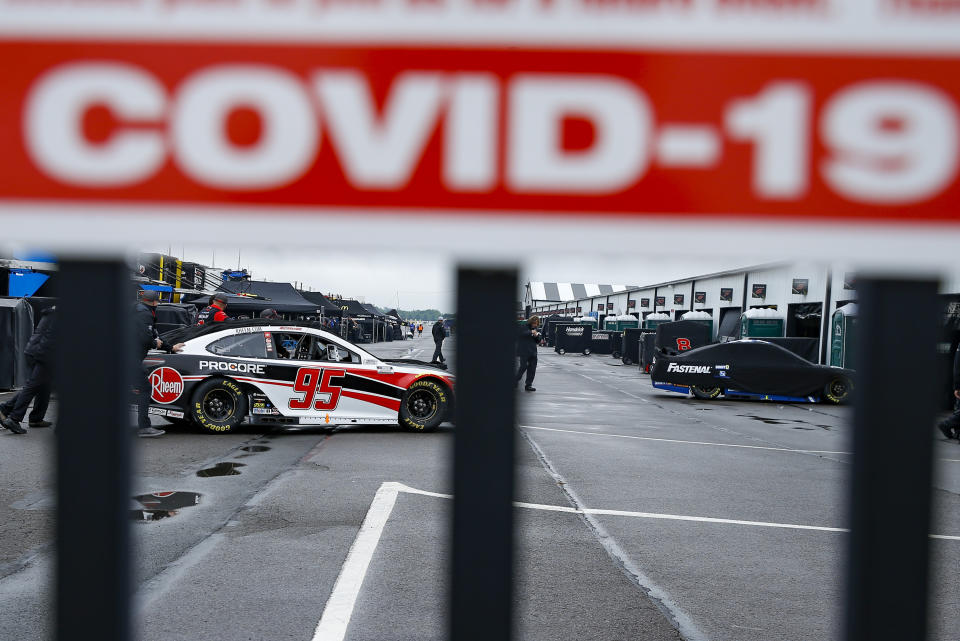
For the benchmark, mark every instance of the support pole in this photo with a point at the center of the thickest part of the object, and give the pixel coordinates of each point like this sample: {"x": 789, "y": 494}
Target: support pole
{"x": 482, "y": 581}
{"x": 891, "y": 471}
{"x": 93, "y": 368}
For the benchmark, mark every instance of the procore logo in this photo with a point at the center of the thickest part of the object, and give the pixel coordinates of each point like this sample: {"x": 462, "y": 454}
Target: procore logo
{"x": 166, "y": 385}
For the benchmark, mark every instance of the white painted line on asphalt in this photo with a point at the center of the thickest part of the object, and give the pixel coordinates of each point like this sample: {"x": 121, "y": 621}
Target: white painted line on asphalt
{"x": 670, "y": 440}
{"x": 339, "y": 609}
{"x": 336, "y": 615}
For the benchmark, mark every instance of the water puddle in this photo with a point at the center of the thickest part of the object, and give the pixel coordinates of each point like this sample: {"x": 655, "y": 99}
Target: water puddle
{"x": 221, "y": 469}
{"x": 786, "y": 421}
{"x": 162, "y": 505}
{"x": 255, "y": 448}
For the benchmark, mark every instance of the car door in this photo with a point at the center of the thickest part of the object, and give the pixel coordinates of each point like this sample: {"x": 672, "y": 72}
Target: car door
{"x": 365, "y": 393}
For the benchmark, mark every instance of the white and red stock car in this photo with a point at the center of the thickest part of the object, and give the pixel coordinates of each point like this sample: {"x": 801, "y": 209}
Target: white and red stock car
{"x": 281, "y": 373}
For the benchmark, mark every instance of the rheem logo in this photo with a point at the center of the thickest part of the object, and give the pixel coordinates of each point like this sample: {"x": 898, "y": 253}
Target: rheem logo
{"x": 166, "y": 385}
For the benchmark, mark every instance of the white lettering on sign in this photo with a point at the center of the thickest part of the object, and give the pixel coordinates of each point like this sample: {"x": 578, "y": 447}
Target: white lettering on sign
{"x": 54, "y": 138}
{"x": 619, "y": 113}
{"x": 688, "y": 369}
{"x": 285, "y": 148}
{"x": 223, "y": 366}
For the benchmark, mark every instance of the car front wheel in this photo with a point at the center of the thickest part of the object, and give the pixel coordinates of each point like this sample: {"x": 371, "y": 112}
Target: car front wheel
{"x": 706, "y": 393}
{"x": 219, "y": 406}
{"x": 424, "y": 406}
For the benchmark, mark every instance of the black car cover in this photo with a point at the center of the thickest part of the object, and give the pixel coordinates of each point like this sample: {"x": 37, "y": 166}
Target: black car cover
{"x": 680, "y": 336}
{"x": 746, "y": 366}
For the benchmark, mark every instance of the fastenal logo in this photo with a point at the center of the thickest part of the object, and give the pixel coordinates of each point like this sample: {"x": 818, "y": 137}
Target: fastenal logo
{"x": 166, "y": 385}
{"x": 688, "y": 369}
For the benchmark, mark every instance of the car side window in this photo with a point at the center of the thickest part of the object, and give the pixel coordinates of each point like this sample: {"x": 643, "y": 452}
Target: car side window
{"x": 244, "y": 345}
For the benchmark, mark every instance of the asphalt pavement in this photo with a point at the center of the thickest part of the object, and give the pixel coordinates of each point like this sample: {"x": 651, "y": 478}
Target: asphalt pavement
{"x": 644, "y": 515}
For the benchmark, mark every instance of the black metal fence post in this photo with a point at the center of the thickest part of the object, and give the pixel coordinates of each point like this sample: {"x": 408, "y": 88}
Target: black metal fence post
{"x": 482, "y": 561}
{"x": 892, "y": 467}
{"x": 93, "y": 367}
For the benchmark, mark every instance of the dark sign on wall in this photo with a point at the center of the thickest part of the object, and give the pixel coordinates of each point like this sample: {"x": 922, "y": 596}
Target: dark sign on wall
{"x": 849, "y": 280}
{"x": 758, "y": 290}
{"x": 801, "y": 286}
{"x": 644, "y": 302}
{"x": 726, "y": 294}
{"x": 631, "y": 304}
{"x": 661, "y": 300}
{"x": 609, "y": 306}
{"x": 678, "y": 299}
{"x": 579, "y": 309}
{"x": 700, "y": 297}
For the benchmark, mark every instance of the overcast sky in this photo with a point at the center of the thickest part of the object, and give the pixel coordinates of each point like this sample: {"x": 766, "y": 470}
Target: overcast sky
{"x": 422, "y": 281}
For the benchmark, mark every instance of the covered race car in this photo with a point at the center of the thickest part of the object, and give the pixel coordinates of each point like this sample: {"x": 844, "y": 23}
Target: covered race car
{"x": 750, "y": 369}
{"x": 282, "y": 373}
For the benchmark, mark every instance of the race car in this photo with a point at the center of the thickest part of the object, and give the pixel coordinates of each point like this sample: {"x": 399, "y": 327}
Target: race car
{"x": 281, "y": 373}
{"x": 750, "y": 369}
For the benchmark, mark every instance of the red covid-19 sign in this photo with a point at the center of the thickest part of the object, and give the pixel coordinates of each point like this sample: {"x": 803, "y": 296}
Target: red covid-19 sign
{"x": 483, "y": 129}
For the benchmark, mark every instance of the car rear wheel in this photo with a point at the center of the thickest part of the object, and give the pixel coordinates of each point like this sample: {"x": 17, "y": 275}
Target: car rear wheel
{"x": 838, "y": 390}
{"x": 706, "y": 393}
{"x": 218, "y": 406}
{"x": 424, "y": 406}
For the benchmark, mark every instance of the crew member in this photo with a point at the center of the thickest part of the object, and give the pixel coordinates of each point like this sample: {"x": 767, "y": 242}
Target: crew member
{"x": 950, "y": 426}
{"x": 39, "y": 356}
{"x": 213, "y": 313}
{"x": 527, "y": 352}
{"x": 271, "y": 314}
{"x": 438, "y": 335}
{"x": 147, "y": 338}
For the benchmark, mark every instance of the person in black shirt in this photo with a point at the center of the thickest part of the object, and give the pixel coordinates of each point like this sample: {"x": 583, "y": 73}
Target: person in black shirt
{"x": 950, "y": 426}
{"x": 213, "y": 313}
{"x": 439, "y": 333}
{"x": 147, "y": 338}
{"x": 527, "y": 352}
{"x": 39, "y": 355}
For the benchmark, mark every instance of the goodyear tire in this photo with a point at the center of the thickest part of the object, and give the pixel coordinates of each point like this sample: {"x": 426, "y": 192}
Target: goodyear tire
{"x": 218, "y": 406}
{"x": 561, "y": 351}
{"x": 424, "y": 406}
{"x": 838, "y": 390}
{"x": 586, "y": 352}
{"x": 706, "y": 393}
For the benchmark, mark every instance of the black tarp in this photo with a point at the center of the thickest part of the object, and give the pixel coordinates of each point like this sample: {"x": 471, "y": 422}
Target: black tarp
{"x": 604, "y": 342}
{"x": 648, "y": 351}
{"x": 170, "y": 316}
{"x": 250, "y": 297}
{"x": 729, "y": 327}
{"x": 16, "y": 327}
{"x": 352, "y": 308}
{"x": 322, "y": 302}
{"x": 747, "y": 366}
{"x": 630, "y": 344}
{"x": 679, "y": 336}
{"x": 549, "y": 325}
{"x": 805, "y": 348}
{"x": 573, "y": 337}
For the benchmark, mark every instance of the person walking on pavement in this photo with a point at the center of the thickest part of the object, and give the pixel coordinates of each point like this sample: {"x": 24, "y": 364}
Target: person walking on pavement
{"x": 950, "y": 426}
{"x": 438, "y": 335}
{"x": 39, "y": 355}
{"x": 147, "y": 338}
{"x": 213, "y": 313}
{"x": 420, "y": 329}
{"x": 527, "y": 352}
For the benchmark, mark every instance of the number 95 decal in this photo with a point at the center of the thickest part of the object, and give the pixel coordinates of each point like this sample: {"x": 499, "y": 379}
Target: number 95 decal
{"x": 313, "y": 382}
